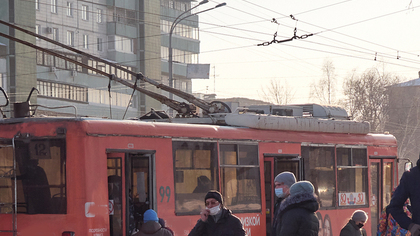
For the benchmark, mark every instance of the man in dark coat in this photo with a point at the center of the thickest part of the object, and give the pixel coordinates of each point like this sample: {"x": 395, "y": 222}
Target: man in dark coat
{"x": 282, "y": 184}
{"x": 409, "y": 188}
{"x": 297, "y": 212}
{"x": 216, "y": 220}
{"x": 355, "y": 225}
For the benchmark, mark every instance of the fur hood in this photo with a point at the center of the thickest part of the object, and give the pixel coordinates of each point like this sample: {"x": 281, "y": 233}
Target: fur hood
{"x": 305, "y": 200}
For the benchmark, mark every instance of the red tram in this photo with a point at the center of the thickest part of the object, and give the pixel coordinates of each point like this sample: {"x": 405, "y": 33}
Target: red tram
{"x": 94, "y": 177}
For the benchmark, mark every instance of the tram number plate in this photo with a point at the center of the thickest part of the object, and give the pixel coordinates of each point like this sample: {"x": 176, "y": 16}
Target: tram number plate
{"x": 40, "y": 149}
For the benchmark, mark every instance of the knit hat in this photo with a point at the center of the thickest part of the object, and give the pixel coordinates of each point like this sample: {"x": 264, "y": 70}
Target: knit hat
{"x": 150, "y": 215}
{"x": 286, "y": 177}
{"x": 214, "y": 194}
{"x": 301, "y": 187}
{"x": 162, "y": 222}
{"x": 359, "y": 215}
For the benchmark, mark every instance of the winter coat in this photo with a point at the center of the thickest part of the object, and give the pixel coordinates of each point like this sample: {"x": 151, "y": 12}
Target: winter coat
{"x": 227, "y": 225}
{"x": 276, "y": 217}
{"x": 153, "y": 228}
{"x": 388, "y": 226}
{"x": 351, "y": 229}
{"x": 409, "y": 187}
{"x": 297, "y": 216}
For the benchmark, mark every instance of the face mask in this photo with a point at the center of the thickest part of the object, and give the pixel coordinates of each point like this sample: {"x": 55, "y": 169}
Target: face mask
{"x": 279, "y": 192}
{"x": 360, "y": 225}
{"x": 214, "y": 210}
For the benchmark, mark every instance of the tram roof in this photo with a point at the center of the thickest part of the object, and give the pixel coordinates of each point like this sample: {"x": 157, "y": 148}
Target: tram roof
{"x": 135, "y": 128}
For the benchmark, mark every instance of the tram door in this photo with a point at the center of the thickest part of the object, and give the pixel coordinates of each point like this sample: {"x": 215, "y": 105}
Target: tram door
{"x": 274, "y": 165}
{"x": 130, "y": 186}
{"x": 383, "y": 178}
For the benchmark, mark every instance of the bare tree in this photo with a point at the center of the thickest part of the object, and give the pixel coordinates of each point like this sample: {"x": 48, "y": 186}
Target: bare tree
{"x": 324, "y": 89}
{"x": 366, "y": 97}
{"x": 277, "y": 93}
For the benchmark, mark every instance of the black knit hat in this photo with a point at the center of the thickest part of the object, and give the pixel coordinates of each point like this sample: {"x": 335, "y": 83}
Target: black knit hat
{"x": 214, "y": 194}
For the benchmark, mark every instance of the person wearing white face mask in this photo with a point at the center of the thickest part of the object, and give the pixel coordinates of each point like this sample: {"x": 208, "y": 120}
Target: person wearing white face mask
{"x": 282, "y": 184}
{"x": 217, "y": 220}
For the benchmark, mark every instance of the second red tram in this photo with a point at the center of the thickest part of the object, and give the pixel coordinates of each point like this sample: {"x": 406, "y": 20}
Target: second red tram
{"x": 93, "y": 177}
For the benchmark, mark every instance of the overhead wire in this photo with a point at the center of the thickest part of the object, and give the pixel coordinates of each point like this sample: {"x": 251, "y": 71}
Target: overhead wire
{"x": 347, "y": 24}
{"x": 225, "y": 49}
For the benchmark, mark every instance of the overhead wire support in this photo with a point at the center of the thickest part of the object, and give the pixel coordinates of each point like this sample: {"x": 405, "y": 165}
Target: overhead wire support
{"x": 304, "y": 36}
{"x": 178, "y": 106}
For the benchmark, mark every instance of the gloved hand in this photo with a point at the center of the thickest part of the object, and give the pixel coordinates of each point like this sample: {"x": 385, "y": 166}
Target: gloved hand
{"x": 414, "y": 229}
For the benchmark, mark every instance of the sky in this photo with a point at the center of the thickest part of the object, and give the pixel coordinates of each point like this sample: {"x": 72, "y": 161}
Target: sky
{"x": 349, "y": 33}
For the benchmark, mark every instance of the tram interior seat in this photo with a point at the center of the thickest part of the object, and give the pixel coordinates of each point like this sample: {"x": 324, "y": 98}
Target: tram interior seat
{"x": 58, "y": 204}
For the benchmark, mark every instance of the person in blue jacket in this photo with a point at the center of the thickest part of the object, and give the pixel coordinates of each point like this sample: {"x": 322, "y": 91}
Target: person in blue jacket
{"x": 409, "y": 187}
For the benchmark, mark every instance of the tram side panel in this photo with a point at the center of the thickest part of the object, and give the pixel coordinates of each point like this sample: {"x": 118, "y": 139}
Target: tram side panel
{"x": 47, "y": 192}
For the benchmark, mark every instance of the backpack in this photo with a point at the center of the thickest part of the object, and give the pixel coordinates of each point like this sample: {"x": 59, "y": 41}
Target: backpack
{"x": 388, "y": 226}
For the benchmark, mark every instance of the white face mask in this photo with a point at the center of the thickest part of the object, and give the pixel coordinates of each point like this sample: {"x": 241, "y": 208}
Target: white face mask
{"x": 279, "y": 192}
{"x": 214, "y": 210}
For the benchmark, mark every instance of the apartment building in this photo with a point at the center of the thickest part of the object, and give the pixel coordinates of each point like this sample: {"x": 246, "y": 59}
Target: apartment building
{"x": 133, "y": 34}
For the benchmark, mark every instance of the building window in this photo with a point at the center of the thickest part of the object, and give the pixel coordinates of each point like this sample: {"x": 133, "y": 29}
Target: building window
{"x": 184, "y": 86}
{"x": 37, "y": 4}
{"x": 70, "y": 38}
{"x": 53, "y": 6}
{"x": 85, "y": 41}
{"x": 69, "y": 9}
{"x": 85, "y": 13}
{"x": 195, "y": 174}
{"x": 62, "y": 91}
{"x": 102, "y": 97}
{"x": 120, "y": 44}
{"x": 1, "y": 80}
{"x": 37, "y": 27}
{"x": 164, "y": 53}
{"x": 99, "y": 16}
{"x": 55, "y": 34}
{"x": 99, "y": 44}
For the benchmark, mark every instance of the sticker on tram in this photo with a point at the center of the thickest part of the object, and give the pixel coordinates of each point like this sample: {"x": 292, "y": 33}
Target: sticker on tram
{"x": 111, "y": 207}
{"x": 88, "y": 209}
{"x": 352, "y": 199}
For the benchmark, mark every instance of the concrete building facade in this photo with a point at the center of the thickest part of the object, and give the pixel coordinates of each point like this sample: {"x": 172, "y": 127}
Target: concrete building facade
{"x": 404, "y": 119}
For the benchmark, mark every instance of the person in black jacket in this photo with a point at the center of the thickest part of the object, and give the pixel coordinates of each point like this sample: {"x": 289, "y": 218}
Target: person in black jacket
{"x": 282, "y": 184}
{"x": 355, "y": 225}
{"x": 409, "y": 188}
{"x": 216, "y": 220}
{"x": 297, "y": 211}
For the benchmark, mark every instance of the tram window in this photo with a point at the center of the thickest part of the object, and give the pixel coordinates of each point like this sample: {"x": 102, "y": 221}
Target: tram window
{"x": 240, "y": 177}
{"x": 319, "y": 170}
{"x": 41, "y": 176}
{"x": 352, "y": 176}
{"x": 6, "y": 172}
{"x": 195, "y": 173}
